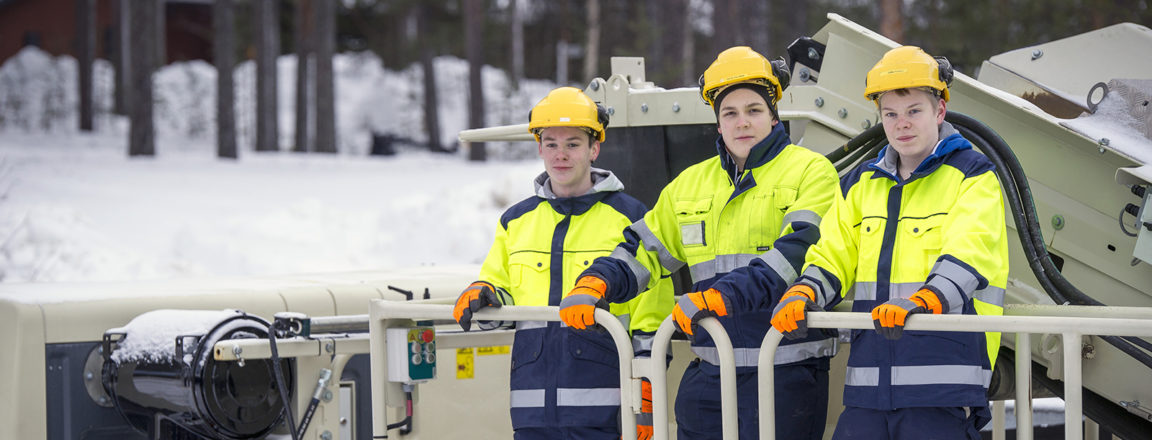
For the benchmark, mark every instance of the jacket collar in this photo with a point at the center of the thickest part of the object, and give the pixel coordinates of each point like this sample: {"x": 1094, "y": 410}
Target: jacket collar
{"x": 603, "y": 184}
{"x": 761, "y": 153}
{"x": 950, "y": 141}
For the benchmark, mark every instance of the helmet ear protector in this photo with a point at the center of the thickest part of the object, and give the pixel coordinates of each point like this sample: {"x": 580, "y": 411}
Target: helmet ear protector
{"x": 945, "y": 68}
{"x": 782, "y": 73}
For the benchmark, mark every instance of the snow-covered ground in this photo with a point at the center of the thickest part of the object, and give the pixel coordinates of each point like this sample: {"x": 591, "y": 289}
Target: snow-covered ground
{"x": 74, "y": 207}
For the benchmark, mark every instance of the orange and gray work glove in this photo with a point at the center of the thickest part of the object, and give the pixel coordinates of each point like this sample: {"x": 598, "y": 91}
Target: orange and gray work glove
{"x": 889, "y": 317}
{"x": 578, "y": 307}
{"x": 644, "y": 419}
{"x": 478, "y": 295}
{"x": 695, "y": 306}
{"x": 790, "y": 315}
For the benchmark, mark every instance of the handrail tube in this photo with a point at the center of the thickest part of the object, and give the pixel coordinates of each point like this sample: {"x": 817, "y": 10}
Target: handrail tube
{"x": 1003, "y": 324}
{"x": 1023, "y": 386}
{"x": 659, "y": 378}
{"x": 728, "y": 402}
{"x": 382, "y": 310}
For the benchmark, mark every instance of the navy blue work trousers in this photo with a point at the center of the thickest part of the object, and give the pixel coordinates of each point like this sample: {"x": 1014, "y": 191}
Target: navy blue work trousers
{"x": 907, "y": 424}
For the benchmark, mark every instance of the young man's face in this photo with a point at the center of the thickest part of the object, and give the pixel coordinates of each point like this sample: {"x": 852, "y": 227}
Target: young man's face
{"x": 743, "y": 121}
{"x": 912, "y": 123}
{"x": 568, "y": 153}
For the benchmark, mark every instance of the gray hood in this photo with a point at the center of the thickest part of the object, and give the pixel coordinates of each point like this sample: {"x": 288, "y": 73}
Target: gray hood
{"x": 602, "y": 181}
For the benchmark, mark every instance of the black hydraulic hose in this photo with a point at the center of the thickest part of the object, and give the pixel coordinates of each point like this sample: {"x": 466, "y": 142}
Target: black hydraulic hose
{"x": 872, "y": 152}
{"x": 855, "y": 143}
{"x": 1027, "y": 226}
{"x": 280, "y": 381}
{"x": 850, "y": 161}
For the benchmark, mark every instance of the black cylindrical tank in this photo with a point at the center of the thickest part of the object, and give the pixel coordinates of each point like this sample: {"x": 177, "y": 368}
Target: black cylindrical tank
{"x": 168, "y": 389}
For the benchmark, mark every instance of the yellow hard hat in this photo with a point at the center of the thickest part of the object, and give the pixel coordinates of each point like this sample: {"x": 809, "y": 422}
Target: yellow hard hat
{"x": 741, "y": 64}
{"x": 568, "y": 107}
{"x": 908, "y": 67}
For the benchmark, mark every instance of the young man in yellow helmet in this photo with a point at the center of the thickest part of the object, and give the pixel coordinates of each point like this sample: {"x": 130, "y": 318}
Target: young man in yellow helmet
{"x": 920, "y": 230}
{"x": 757, "y": 204}
{"x": 565, "y": 384}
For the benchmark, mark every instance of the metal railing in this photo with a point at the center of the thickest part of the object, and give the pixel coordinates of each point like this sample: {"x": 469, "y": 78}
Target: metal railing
{"x": 1022, "y": 320}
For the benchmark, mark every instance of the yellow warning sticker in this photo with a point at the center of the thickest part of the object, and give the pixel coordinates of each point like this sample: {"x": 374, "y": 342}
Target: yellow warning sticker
{"x": 465, "y": 363}
{"x": 499, "y": 349}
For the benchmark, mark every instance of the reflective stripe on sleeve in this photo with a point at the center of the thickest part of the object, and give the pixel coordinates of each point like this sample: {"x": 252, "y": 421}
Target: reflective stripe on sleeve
{"x": 862, "y": 377}
{"x": 780, "y": 264}
{"x": 643, "y": 275}
{"x": 803, "y": 215}
{"x": 654, "y": 244}
{"x": 785, "y": 354}
{"x": 587, "y": 396}
{"x": 827, "y": 294}
{"x": 941, "y": 375}
{"x": 957, "y": 285}
{"x": 527, "y": 398}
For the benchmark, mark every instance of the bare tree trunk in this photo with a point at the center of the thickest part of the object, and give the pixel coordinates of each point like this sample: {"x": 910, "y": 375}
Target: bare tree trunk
{"x": 562, "y": 62}
{"x": 161, "y": 34}
{"x": 305, "y": 32}
{"x": 85, "y": 47}
{"x": 431, "y": 109}
{"x": 517, "y": 44}
{"x": 759, "y": 25}
{"x": 474, "y": 43}
{"x": 325, "y": 88}
{"x": 267, "y": 48}
{"x": 724, "y": 32}
{"x": 592, "y": 48}
{"x": 141, "y": 135}
{"x": 892, "y": 20}
{"x": 223, "y": 47}
{"x": 689, "y": 75}
{"x": 123, "y": 40}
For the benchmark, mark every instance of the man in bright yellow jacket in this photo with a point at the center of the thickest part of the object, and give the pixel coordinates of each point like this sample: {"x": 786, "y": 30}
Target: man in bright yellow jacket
{"x": 756, "y": 204}
{"x": 920, "y": 229}
{"x": 564, "y": 384}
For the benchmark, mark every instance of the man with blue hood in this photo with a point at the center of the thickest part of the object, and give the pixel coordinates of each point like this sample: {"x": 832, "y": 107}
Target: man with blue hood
{"x": 920, "y": 229}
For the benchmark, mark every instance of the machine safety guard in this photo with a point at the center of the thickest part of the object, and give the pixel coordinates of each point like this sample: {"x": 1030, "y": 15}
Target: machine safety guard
{"x": 1022, "y": 320}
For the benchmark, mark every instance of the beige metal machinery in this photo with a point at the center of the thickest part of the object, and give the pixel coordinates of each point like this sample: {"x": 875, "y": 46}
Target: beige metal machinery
{"x": 1083, "y": 151}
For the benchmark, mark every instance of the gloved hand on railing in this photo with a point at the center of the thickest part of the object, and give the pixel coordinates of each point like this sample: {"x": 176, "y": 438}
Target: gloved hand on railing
{"x": 578, "y": 308}
{"x": 889, "y": 317}
{"x": 644, "y": 419}
{"x": 695, "y": 306}
{"x": 790, "y": 315}
{"x": 478, "y": 295}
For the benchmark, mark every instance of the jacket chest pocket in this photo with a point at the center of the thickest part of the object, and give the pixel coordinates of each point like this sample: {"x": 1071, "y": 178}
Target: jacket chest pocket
{"x": 528, "y": 273}
{"x": 871, "y": 233}
{"x": 692, "y": 219}
{"x": 922, "y": 239}
{"x": 765, "y": 216}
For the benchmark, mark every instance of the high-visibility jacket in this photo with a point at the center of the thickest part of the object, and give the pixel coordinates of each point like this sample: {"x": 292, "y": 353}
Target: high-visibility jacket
{"x": 715, "y": 219}
{"x": 562, "y": 377}
{"x": 888, "y": 237}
